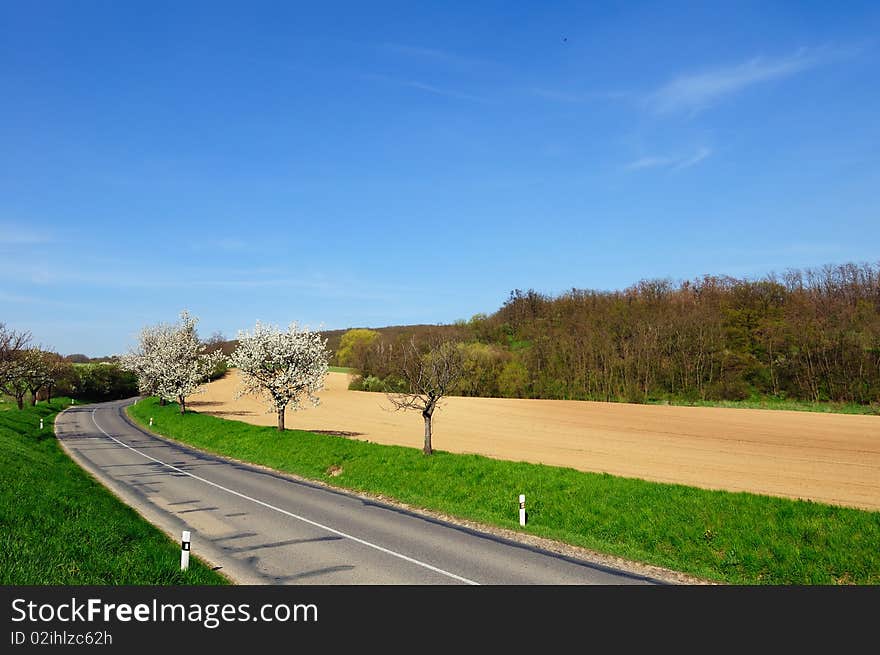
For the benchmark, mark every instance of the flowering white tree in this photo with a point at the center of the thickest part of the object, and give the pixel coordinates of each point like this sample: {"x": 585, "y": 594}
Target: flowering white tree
{"x": 38, "y": 371}
{"x": 14, "y": 377}
{"x": 146, "y": 362}
{"x": 171, "y": 362}
{"x": 186, "y": 365}
{"x": 282, "y": 368}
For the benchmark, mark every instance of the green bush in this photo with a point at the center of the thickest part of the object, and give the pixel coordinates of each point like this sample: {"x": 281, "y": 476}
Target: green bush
{"x": 102, "y": 382}
{"x": 391, "y": 384}
{"x": 219, "y": 371}
{"x": 372, "y": 383}
{"x": 731, "y": 389}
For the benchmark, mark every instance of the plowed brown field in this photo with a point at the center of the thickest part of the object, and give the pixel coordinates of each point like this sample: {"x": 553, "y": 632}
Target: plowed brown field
{"x": 830, "y": 458}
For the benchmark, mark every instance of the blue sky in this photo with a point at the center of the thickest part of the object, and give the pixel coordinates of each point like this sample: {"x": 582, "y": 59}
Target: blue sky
{"x": 371, "y": 164}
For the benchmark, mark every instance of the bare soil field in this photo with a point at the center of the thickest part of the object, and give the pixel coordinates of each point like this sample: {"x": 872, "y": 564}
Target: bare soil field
{"x": 829, "y": 458}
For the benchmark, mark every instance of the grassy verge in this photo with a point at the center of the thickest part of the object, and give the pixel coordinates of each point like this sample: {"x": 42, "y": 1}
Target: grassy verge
{"x": 731, "y": 537}
{"x": 59, "y": 526}
{"x": 340, "y": 369}
{"x": 777, "y": 403}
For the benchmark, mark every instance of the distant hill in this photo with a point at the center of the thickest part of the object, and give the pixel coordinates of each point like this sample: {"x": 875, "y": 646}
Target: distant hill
{"x": 79, "y": 358}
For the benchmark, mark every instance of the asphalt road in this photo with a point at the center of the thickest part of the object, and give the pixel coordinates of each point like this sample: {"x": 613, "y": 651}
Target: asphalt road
{"x": 261, "y": 527}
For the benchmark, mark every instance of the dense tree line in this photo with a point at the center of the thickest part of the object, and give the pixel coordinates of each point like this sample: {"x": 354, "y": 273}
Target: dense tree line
{"x": 30, "y": 371}
{"x": 806, "y": 334}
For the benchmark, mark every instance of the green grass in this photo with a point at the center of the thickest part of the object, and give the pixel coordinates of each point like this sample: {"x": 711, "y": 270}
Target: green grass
{"x": 777, "y": 404}
{"x": 340, "y": 369}
{"x": 730, "y": 537}
{"x": 58, "y": 526}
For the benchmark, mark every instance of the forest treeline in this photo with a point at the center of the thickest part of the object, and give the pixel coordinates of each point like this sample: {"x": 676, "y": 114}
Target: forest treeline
{"x": 809, "y": 334}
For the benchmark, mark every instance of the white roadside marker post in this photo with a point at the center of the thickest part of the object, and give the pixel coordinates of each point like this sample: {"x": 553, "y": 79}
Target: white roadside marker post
{"x": 41, "y": 424}
{"x": 522, "y": 509}
{"x": 151, "y": 421}
{"x": 184, "y": 551}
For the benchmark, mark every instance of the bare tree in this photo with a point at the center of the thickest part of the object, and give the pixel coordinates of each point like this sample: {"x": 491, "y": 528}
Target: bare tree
{"x": 430, "y": 374}
{"x": 13, "y": 371}
{"x": 215, "y": 341}
{"x": 12, "y": 342}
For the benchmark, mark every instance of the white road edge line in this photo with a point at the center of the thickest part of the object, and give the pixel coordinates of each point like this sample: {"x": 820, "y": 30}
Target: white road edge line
{"x": 285, "y": 512}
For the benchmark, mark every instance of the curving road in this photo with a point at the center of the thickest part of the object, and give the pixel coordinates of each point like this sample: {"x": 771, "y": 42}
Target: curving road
{"x": 262, "y": 527}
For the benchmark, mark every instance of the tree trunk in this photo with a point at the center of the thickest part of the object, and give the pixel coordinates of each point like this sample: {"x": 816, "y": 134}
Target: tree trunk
{"x": 182, "y": 401}
{"x": 49, "y": 394}
{"x": 161, "y": 402}
{"x": 33, "y": 398}
{"x": 427, "y": 416}
{"x": 20, "y": 401}
{"x": 281, "y": 420}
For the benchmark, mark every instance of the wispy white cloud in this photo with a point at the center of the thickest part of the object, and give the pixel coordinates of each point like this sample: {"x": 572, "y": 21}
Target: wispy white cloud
{"x": 35, "y": 300}
{"x": 670, "y": 162}
{"x": 694, "y": 159}
{"x": 649, "y": 162}
{"x": 427, "y": 88}
{"x": 225, "y": 244}
{"x": 575, "y": 96}
{"x": 693, "y": 92}
{"x": 437, "y": 55}
{"x": 443, "y": 92}
{"x": 23, "y": 265}
{"x": 15, "y": 234}
{"x": 559, "y": 96}
{"x": 259, "y": 280}
{"x": 230, "y": 244}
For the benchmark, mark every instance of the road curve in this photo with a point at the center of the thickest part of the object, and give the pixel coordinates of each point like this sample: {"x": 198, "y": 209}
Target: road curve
{"x": 262, "y": 527}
